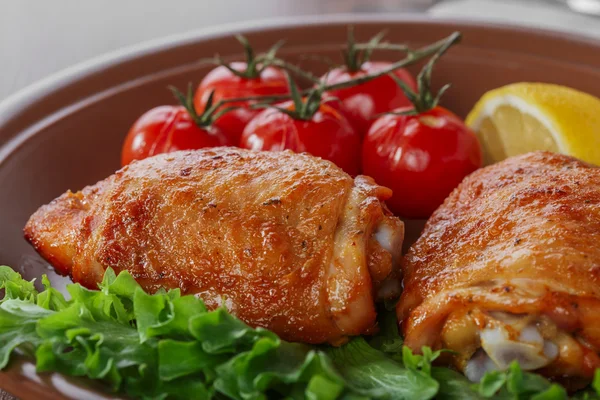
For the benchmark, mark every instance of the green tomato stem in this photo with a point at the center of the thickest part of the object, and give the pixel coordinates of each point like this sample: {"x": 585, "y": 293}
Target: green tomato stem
{"x": 411, "y": 58}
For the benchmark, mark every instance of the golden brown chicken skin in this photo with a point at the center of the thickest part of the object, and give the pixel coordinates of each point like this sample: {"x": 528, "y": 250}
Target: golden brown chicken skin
{"x": 285, "y": 241}
{"x": 508, "y": 268}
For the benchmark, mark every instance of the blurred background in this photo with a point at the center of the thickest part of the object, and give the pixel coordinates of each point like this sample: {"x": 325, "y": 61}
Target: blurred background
{"x": 38, "y": 38}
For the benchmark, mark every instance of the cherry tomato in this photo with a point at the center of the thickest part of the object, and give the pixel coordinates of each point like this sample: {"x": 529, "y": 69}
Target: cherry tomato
{"x": 422, "y": 158}
{"x": 363, "y": 102}
{"x": 328, "y": 135}
{"x": 165, "y": 129}
{"x": 227, "y": 85}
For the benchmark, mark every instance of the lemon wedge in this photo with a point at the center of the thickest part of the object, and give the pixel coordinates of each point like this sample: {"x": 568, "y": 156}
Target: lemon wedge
{"x": 524, "y": 117}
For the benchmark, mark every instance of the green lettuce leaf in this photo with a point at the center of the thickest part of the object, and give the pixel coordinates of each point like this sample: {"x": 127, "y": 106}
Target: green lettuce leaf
{"x": 160, "y": 346}
{"x": 516, "y": 384}
{"x": 388, "y": 338}
{"x": 18, "y": 320}
{"x": 596, "y": 382}
{"x": 371, "y": 373}
{"x": 276, "y": 368}
{"x": 454, "y": 385}
{"x": 15, "y": 287}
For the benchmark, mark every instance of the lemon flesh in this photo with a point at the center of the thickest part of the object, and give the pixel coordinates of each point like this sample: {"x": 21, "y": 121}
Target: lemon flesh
{"x": 524, "y": 117}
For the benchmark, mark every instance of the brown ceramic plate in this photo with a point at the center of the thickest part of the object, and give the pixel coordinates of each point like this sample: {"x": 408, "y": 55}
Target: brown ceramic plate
{"x": 66, "y": 131}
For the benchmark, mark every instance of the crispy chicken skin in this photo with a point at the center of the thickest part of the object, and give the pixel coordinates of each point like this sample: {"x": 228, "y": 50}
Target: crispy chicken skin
{"x": 285, "y": 241}
{"x": 509, "y": 268}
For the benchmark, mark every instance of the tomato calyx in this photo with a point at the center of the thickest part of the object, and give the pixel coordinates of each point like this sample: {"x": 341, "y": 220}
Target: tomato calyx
{"x": 255, "y": 64}
{"x": 424, "y": 99}
{"x": 355, "y": 56}
{"x": 210, "y": 113}
{"x": 306, "y": 106}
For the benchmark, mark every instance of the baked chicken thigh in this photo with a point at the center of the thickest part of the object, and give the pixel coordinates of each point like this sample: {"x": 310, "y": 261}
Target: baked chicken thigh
{"x": 508, "y": 268}
{"x": 285, "y": 241}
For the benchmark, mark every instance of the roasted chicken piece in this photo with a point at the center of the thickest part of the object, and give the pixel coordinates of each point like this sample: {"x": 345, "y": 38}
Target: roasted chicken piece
{"x": 285, "y": 241}
{"x": 508, "y": 268}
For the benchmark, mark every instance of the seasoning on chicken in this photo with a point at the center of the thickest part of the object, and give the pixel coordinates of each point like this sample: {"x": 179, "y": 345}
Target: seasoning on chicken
{"x": 508, "y": 268}
{"x": 285, "y": 241}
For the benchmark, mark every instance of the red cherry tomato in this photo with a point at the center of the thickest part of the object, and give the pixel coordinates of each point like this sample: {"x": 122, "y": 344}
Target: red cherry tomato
{"x": 227, "y": 85}
{"x": 422, "y": 158}
{"x": 165, "y": 129}
{"x": 363, "y": 102}
{"x": 328, "y": 135}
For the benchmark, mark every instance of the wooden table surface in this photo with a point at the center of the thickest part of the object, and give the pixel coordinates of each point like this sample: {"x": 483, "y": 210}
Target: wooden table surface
{"x": 38, "y": 38}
